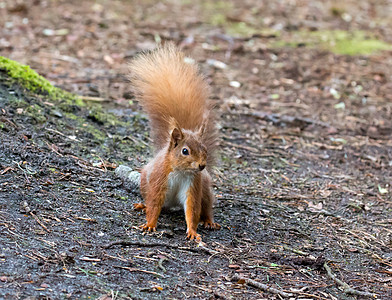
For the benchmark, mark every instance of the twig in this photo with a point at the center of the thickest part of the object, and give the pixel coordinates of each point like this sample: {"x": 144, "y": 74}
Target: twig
{"x": 216, "y": 294}
{"x": 85, "y": 219}
{"x": 206, "y": 250}
{"x": 5, "y": 120}
{"x": 167, "y": 245}
{"x": 85, "y": 258}
{"x": 140, "y": 270}
{"x": 140, "y": 244}
{"x": 65, "y": 58}
{"x": 119, "y": 258}
{"x": 55, "y": 131}
{"x": 248, "y": 148}
{"x": 6, "y": 170}
{"x": 200, "y": 288}
{"x": 103, "y": 163}
{"x": 346, "y": 288}
{"x": 28, "y": 211}
{"x": 93, "y": 99}
{"x": 309, "y": 295}
{"x": 261, "y": 286}
{"x": 295, "y": 250}
{"x": 52, "y": 147}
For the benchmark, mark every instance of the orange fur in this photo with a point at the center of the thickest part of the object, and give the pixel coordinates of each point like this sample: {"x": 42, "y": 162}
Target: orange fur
{"x": 193, "y": 208}
{"x": 168, "y": 87}
{"x": 154, "y": 191}
{"x": 176, "y": 98}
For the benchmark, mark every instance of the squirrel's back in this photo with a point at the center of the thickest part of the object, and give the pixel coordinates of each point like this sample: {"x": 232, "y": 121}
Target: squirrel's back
{"x": 168, "y": 87}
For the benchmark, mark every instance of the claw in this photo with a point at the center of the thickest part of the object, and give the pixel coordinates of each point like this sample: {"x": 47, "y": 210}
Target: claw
{"x": 145, "y": 227}
{"x": 192, "y": 235}
{"x": 211, "y": 225}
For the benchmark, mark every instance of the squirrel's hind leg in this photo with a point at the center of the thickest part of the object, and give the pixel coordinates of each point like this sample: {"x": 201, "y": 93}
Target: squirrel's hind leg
{"x": 208, "y": 199}
{"x": 154, "y": 194}
{"x": 143, "y": 191}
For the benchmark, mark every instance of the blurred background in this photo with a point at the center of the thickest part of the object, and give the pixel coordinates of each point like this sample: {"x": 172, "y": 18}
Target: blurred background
{"x": 269, "y": 55}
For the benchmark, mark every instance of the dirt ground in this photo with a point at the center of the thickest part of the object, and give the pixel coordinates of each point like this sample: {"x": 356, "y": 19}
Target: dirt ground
{"x": 304, "y": 179}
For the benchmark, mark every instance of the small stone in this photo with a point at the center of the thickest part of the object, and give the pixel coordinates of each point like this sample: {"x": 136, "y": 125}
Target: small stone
{"x": 235, "y": 84}
{"x": 216, "y": 63}
{"x": 57, "y": 113}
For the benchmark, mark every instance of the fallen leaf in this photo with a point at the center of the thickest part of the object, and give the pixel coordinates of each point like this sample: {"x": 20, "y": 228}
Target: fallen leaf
{"x": 315, "y": 207}
{"x": 382, "y": 190}
{"x": 340, "y": 105}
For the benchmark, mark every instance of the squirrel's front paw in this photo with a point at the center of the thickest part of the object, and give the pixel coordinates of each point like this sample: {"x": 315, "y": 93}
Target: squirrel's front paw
{"x": 193, "y": 235}
{"x": 146, "y": 227}
{"x": 211, "y": 225}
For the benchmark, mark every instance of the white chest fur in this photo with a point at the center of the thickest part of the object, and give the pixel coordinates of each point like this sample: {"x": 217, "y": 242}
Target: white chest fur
{"x": 177, "y": 190}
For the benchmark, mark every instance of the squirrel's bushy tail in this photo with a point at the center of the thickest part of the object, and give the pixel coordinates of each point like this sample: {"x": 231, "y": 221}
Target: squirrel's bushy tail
{"x": 166, "y": 87}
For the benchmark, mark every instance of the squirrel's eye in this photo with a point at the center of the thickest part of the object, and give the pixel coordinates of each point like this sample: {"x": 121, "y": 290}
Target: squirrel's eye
{"x": 185, "y": 151}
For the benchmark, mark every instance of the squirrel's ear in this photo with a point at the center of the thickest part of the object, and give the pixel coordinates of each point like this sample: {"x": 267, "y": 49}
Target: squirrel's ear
{"x": 176, "y": 136}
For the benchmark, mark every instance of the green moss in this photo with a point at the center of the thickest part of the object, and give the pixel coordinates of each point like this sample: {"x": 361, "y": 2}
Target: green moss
{"x": 359, "y": 46}
{"x": 98, "y": 135}
{"x": 17, "y": 103}
{"x": 217, "y": 7}
{"x": 71, "y": 116}
{"x": 36, "y": 112}
{"x": 216, "y": 12}
{"x": 337, "y": 41}
{"x": 102, "y": 117}
{"x": 231, "y": 28}
{"x": 100, "y": 130}
{"x": 218, "y": 19}
{"x": 223, "y": 14}
{"x": 31, "y": 80}
{"x": 337, "y": 11}
{"x": 98, "y": 115}
{"x": 240, "y": 29}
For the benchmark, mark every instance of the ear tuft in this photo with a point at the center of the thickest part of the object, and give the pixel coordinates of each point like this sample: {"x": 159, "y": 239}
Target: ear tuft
{"x": 176, "y": 136}
{"x": 203, "y": 127}
{"x": 175, "y": 132}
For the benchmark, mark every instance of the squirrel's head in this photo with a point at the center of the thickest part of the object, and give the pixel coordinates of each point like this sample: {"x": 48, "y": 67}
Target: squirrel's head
{"x": 187, "y": 150}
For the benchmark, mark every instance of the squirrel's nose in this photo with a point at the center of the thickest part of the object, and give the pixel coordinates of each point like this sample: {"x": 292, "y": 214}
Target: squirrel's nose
{"x": 201, "y": 167}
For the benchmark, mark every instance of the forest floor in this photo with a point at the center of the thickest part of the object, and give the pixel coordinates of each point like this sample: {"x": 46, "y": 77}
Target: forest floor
{"x": 304, "y": 93}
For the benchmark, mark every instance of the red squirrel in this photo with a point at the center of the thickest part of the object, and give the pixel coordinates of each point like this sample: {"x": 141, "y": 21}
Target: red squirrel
{"x": 176, "y": 98}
